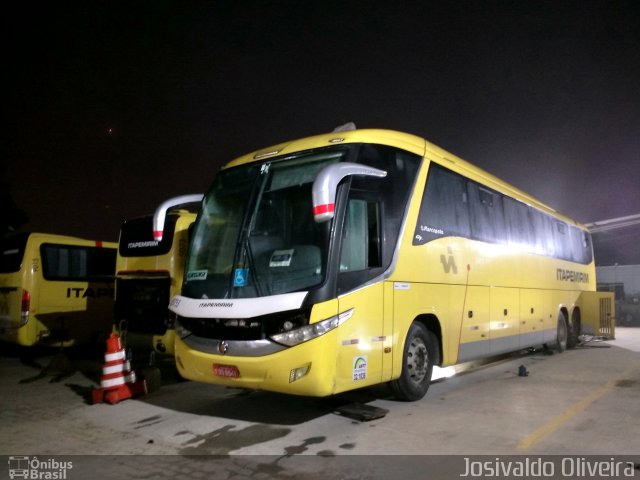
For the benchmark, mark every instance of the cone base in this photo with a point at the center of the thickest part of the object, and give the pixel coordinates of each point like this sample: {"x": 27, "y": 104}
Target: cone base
{"x": 121, "y": 392}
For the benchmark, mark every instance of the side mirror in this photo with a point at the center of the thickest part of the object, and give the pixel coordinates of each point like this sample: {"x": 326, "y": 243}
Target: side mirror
{"x": 326, "y": 184}
{"x": 161, "y": 212}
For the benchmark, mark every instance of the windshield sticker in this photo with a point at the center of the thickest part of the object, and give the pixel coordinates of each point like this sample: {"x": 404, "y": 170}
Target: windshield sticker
{"x": 240, "y": 277}
{"x": 281, "y": 258}
{"x": 197, "y": 275}
{"x": 360, "y": 368}
{"x": 428, "y": 229}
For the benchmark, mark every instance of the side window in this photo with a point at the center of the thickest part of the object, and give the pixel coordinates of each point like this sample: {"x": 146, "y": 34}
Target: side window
{"x": 520, "y": 230}
{"x": 444, "y": 210}
{"x": 487, "y": 217}
{"x": 562, "y": 240}
{"x": 361, "y": 239}
{"x": 62, "y": 262}
{"x": 580, "y": 246}
{"x": 456, "y": 206}
{"x": 548, "y": 236}
{"x": 59, "y": 263}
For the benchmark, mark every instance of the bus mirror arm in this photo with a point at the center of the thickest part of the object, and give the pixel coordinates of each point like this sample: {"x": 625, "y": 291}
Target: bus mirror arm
{"x": 161, "y": 212}
{"x": 326, "y": 184}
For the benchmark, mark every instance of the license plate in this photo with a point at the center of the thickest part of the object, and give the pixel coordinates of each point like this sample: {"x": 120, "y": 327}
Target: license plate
{"x": 229, "y": 371}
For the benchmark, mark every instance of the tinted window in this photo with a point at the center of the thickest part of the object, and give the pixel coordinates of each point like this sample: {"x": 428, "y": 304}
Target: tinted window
{"x": 136, "y": 237}
{"x": 487, "y": 217}
{"x": 66, "y": 262}
{"x": 581, "y": 251}
{"x": 444, "y": 211}
{"x": 456, "y": 206}
{"x": 520, "y": 228}
{"x": 374, "y": 214}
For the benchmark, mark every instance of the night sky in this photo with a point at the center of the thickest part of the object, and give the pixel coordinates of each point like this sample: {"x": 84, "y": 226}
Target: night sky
{"x": 112, "y": 107}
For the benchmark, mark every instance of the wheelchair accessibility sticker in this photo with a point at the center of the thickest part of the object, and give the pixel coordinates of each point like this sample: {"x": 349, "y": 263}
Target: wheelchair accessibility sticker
{"x": 240, "y": 277}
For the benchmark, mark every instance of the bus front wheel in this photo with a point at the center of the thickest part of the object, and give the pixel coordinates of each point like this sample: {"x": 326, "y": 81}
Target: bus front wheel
{"x": 419, "y": 355}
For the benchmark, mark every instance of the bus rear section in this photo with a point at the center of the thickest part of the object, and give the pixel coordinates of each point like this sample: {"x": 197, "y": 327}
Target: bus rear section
{"x": 55, "y": 290}
{"x": 148, "y": 273}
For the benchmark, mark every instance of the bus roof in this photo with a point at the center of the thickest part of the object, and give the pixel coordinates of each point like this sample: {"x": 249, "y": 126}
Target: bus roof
{"x": 405, "y": 141}
{"x": 63, "y": 239}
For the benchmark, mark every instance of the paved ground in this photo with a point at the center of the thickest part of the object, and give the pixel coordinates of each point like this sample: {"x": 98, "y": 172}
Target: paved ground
{"x": 583, "y": 402}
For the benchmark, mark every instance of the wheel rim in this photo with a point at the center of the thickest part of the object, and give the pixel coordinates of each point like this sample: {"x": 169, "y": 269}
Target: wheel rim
{"x": 417, "y": 361}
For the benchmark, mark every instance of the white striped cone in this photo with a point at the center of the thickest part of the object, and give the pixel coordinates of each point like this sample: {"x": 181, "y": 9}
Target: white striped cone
{"x": 118, "y": 378}
{"x": 115, "y": 367}
{"x": 130, "y": 377}
{"x": 113, "y": 356}
{"x": 112, "y": 380}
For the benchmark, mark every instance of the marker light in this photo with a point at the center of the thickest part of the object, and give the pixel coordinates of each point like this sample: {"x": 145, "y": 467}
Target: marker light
{"x": 309, "y": 332}
{"x": 298, "y": 373}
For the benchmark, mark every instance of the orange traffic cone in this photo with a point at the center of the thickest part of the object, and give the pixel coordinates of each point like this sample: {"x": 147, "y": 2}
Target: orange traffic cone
{"x": 118, "y": 381}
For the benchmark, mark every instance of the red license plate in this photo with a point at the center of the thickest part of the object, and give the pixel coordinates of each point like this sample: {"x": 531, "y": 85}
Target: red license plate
{"x": 229, "y": 371}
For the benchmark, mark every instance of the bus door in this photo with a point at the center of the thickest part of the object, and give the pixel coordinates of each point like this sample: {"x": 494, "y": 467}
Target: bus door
{"x": 362, "y": 339}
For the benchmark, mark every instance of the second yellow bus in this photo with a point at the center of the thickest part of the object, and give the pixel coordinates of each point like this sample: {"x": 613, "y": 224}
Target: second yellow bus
{"x": 149, "y": 273}
{"x": 55, "y": 290}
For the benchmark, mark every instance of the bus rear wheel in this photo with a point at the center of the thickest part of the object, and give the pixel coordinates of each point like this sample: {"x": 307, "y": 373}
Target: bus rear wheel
{"x": 419, "y": 355}
{"x": 562, "y": 334}
{"x": 573, "y": 338}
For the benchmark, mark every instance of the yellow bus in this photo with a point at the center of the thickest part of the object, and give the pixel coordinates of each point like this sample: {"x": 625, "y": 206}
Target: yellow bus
{"x": 55, "y": 290}
{"x": 359, "y": 257}
{"x": 148, "y": 274}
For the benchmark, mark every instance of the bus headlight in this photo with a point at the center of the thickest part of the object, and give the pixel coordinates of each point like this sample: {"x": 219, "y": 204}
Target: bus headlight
{"x": 308, "y": 332}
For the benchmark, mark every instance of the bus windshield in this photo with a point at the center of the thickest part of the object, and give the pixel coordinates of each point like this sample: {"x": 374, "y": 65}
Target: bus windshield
{"x": 255, "y": 235}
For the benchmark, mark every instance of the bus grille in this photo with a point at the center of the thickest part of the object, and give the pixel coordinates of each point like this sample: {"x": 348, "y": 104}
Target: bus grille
{"x": 257, "y": 328}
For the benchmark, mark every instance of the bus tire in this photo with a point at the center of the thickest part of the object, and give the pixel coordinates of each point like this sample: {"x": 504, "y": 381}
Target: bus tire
{"x": 573, "y": 338}
{"x": 562, "y": 334}
{"x": 420, "y": 353}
